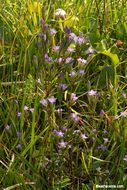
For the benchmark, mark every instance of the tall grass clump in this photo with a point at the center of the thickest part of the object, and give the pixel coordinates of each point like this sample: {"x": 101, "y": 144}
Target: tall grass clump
{"x": 63, "y": 107}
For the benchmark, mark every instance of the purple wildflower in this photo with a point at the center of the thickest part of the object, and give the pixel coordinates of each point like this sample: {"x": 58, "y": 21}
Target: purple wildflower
{"x": 83, "y": 136}
{"x": 53, "y": 31}
{"x": 73, "y": 37}
{"x": 69, "y": 59}
{"x": 92, "y": 93}
{"x": 81, "y": 61}
{"x": 89, "y": 50}
{"x": 58, "y": 133}
{"x": 70, "y": 50}
{"x": 81, "y": 72}
{"x": 52, "y": 99}
{"x": 73, "y": 97}
{"x": 102, "y": 113}
{"x": 105, "y": 140}
{"x": 62, "y": 144}
{"x": 19, "y": 134}
{"x": 102, "y": 147}
{"x": 42, "y": 36}
{"x": 123, "y": 114}
{"x": 44, "y": 102}
{"x": 19, "y": 114}
{"x": 75, "y": 117}
{"x": 61, "y": 75}
{"x": 59, "y": 110}
{"x": 7, "y": 127}
{"x": 72, "y": 73}
{"x": 47, "y": 58}
{"x": 42, "y": 21}
{"x": 80, "y": 40}
{"x": 125, "y": 158}
{"x": 26, "y": 108}
{"x": 31, "y": 110}
{"x": 60, "y": 60}
{"x": 67, "y": 30}
{"x": 62, "y": 86}
{"x": 19, "y": 146}
{"x": 56, "y": 48}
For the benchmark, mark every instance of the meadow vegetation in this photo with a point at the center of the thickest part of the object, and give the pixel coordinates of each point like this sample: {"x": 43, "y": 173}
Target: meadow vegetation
{"x": 63, "y": 94}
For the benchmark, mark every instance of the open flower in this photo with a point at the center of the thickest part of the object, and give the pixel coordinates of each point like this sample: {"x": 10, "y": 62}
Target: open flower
{"x": 60, "y": 14}
{"x": 75, "y": 117}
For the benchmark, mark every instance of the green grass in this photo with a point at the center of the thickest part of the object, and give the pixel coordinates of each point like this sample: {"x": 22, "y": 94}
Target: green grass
{"x": 42, "y": 148}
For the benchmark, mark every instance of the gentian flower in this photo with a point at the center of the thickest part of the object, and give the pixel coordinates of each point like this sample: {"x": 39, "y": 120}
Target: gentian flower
{"x": 44, "y": 102}
{"x": 52, "y": 99}
{"x": 92, "y": 93}
{"x": 62, "y": 144}
{"x": 73, "y": 97}
{"x": 125, "y": 158}
{"x": 75, "y": 117}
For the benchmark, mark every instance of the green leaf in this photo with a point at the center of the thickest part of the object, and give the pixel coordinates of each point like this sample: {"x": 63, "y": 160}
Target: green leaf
{"x": 114, "y": 58}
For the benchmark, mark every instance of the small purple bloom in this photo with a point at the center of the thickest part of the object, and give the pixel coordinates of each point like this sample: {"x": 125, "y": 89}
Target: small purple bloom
{"x": 123, "y": 114}
{"x": 53, "y": 31}
{"x": 70, "y": 50}
{"x": 80, "y": 40}
{"x": 61, "y": 75}
{"x": 73, "y": 37}
{"x": 60, "y": 60}
{"x": 67, "y": 30}
{"x": 125, "y": 158}
{"x": 31, "y": 110}
{"x": 102, "y": 113}
{"x": 42, "y": 21}
{"x": 42, "y": 36}
{"x": 62, "y": 86}
{"x": 19, "y": 114}
{"x": 73, "y": 97}
{"x": 7, "y": 127}
{"x": 47, "y": 58}
{"x": 83, "y": 136}
{"x": 75, "y": 117}
{"x": 19, "y": 146}
{"x": 69, "y": 59}
{"x": 58, "y": 133}
{"x": 19, "y": 134}
{"x": 81, "y": 61}
{"x": 81, "y": 72}
{"x": 105, "y": 140}
{"x": 92, "y": 93}
{"x": 26, "y": 108}
{"x": 44, "y": 102}
{"x": 56, "y": 48}
{"x": 102, "y": 147}
{"x": 72, "y": 73}
{"x": 59, "y": 110}
{"x": 52, "y": 99}
{"x": 62, "y": 144}
{"x": 89, "y": 50}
